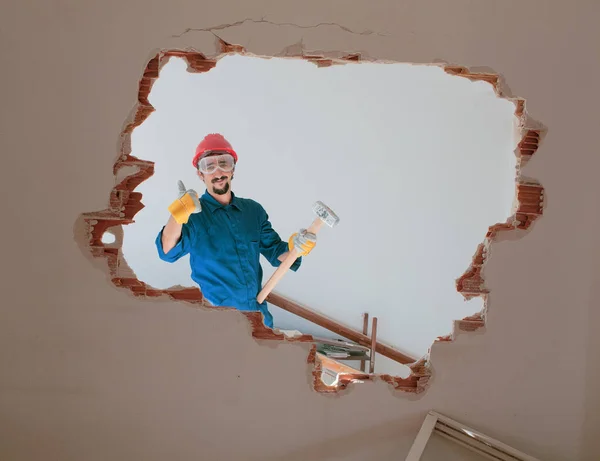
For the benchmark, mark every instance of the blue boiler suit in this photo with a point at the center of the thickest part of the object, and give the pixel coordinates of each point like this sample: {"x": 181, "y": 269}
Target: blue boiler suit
{"x": 224, "y": 243}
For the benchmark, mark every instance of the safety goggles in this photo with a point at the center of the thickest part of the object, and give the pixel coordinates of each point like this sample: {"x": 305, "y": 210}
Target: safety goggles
{"x": 224, "y": 162}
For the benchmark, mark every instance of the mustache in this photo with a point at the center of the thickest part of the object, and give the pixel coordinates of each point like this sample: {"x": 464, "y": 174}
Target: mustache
{"x": 219, "y": 179}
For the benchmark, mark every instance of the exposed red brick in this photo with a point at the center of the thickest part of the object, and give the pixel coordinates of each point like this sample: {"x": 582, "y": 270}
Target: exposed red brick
{"x": 100, "y": 228}
{"x": 446, "y": 338}
{"x": 471, "y": 323}
{"x": 529, "y": 207}
{"x": 133, "y": 205}
{"x": 464, "y": 72}
{"x": 259, "y": 330}
{"x": 527, "y": 147}
{"x": 529, "y": 143}
{"x": 312, "y": 355}
{"x": 227, "y": 48}
{"x": 131, "y": 182}
{"x": 497, "y": 228}
{"x": 352, "y": 57}
{"x": 524, "y": 220}
{"x": 148, "y": 78}
{"x": 186, "y": 294}
{"x": 520, "y": 103}
{"x": 318, "y": 384}
{"x": 471, "y": 283}
{"x": 127, "y": 282}
{"x": 322, "y": 62}
{"x": 416, "y": 382}
{"x": 197, "y": 61}
{"x": 530, "y": 199}
{"x": 141, "y": 115}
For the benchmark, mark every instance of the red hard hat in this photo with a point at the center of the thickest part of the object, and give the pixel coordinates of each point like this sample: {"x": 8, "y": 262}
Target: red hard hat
{"x": 213, "y": 141}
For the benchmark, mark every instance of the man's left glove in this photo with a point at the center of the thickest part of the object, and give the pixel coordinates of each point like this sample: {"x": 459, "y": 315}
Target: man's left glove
{"x": 303, "y": 241}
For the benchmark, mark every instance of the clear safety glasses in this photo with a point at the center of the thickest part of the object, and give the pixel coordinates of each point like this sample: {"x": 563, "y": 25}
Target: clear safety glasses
{"x": 224, "y": 162}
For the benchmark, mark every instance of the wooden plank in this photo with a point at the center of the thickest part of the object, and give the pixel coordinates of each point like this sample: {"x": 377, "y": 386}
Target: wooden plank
{"x": 373, "y": 345}
{"x": 365, "y": 331}
{"x": 355, "y": 358}
{"x": 337, "y": 328}
{"x": 334, "y": 366}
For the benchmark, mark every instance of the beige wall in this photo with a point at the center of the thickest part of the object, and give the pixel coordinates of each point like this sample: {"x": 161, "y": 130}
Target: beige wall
{"x": 90, "y": 373}
{"x": 591, "y": 424}
{"x": 441, "y": 449}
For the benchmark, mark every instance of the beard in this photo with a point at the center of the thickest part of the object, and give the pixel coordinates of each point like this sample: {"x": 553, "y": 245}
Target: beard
{"x": 225, "y": 188}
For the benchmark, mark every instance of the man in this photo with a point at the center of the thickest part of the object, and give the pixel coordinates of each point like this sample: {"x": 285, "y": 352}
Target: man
{"x": 225, "y": 234}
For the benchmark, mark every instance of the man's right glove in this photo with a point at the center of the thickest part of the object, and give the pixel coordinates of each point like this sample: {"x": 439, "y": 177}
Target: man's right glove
{"x": 303, "y": 241}
{"x": 185, "y": 205}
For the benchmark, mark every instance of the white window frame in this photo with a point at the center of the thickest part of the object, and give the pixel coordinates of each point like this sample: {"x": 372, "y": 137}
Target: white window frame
{"x": 465, "y": 436}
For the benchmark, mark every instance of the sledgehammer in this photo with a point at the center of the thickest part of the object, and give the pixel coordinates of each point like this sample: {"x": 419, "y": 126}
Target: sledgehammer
{"x": 325, "y": 215}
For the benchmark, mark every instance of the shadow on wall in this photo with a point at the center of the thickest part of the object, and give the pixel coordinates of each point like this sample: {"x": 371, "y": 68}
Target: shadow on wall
{"x": 416, "y": 162}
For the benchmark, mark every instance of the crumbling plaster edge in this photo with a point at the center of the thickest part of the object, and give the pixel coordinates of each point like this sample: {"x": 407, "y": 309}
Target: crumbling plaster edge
{"x": 124, "y": 203}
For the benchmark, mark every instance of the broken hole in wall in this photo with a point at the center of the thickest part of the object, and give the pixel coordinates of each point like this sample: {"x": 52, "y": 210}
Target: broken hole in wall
{"x": 108, "y": 238}
{"x": 416, "y": 162}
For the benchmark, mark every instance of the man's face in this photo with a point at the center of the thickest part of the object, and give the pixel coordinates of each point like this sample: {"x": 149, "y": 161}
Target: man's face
{"x": 218, "y": 182}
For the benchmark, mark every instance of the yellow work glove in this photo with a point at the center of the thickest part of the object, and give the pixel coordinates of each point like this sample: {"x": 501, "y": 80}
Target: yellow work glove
{"x": 303, "y": 241}
{"x": 185, "y": 205}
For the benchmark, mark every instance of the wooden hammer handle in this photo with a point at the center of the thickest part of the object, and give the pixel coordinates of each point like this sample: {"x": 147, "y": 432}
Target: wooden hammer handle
{"x": 315, "y": 227}
{"x": 285, "y": 265}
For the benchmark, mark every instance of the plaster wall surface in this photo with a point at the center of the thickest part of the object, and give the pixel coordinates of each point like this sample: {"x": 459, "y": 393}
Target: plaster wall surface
{"x": 89, "y": 372}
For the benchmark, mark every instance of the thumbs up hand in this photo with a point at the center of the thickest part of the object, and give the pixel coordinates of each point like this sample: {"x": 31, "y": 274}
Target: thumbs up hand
{"x": 186, "y": 204}
{"x": 303, "y": 241}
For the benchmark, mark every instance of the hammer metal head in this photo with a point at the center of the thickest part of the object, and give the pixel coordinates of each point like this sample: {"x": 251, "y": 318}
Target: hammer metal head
{"x": 326, "y": 214}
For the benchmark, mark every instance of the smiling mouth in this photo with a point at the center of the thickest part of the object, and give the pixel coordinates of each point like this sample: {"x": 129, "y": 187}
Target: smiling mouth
{"x": 220, "y": 180}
